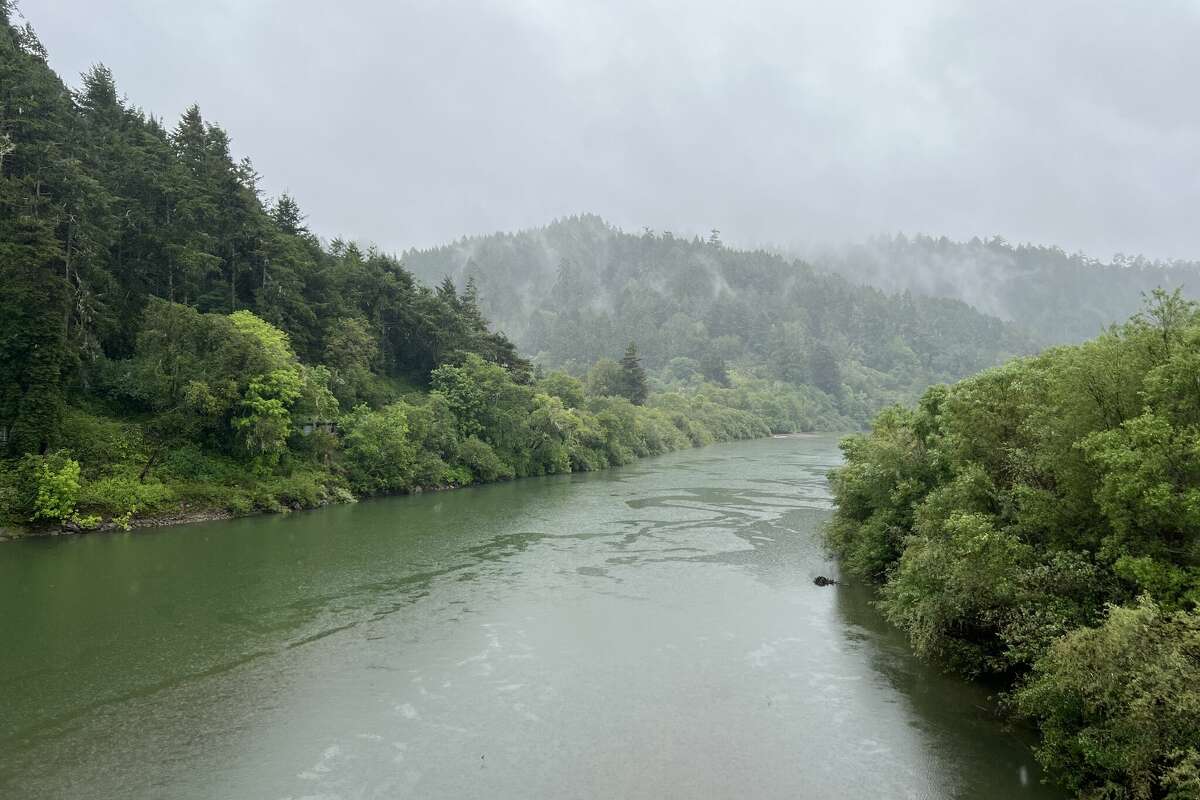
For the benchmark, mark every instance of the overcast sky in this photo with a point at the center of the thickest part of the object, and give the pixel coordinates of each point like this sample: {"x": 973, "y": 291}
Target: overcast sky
{"x": 411, "y": 123}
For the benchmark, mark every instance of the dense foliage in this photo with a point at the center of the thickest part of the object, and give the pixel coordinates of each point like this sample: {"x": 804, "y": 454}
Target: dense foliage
{"x": 172, "y": 343}
{"x": 1059, "y": 298}
{"x": 103, "y": 210}
{"x": 1041, "y": 521}
{"x": 578, "y": 290}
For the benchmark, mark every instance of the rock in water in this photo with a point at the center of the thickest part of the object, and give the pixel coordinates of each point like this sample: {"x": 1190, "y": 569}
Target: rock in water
{"x": 821, "y": 580}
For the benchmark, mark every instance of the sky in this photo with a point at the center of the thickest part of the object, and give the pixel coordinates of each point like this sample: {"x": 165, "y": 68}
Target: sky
{"x": 411, "y": 123}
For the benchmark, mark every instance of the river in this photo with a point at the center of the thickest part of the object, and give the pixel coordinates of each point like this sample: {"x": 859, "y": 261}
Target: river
{"x": 651, "y": 631}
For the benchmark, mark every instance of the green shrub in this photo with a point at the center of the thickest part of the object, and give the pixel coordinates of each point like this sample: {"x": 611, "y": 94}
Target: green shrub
{"x": 191, "y": 463}
{"x": 87, "y": 522}
{"x": 239, "y": 503}
{"x": 433, "y": 428}
{"x": 305, "y": 489}
{"x": 456, "y": 476}
{"x": 316, "y": 447}
{"x": 954, "y": 589}
{"x": 429, "y": 470}
{"x": 120, "y": 494}
{"x": 479, "y": 457}
{"x": 1119, "y": 705}
{"x": 378, "y": 455}
{"x": 340, "y": 494}
{"x": 53, "y": 482}
{"x": 263, "y": 499}
{"x": 200, "y": 494}
{"x": 566, "y": 388}
{"x": 99, "y": 442}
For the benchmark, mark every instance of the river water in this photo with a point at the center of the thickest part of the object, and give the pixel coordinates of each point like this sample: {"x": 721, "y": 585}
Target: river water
{"x": 647, "y": 632}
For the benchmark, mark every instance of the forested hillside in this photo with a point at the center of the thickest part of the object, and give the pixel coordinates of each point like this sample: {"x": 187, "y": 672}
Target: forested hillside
{"x": 1041, "y": 522}
{"x": 578, "y": 288}
{"x": 104, "y": 209}
{"x": 171, "y": 342}
{"x": 1059, "y": 298}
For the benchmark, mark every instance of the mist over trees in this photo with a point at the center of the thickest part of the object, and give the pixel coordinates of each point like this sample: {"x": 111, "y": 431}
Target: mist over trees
{"x": 578, "y": 289}
{"x": 1055, "y": 296}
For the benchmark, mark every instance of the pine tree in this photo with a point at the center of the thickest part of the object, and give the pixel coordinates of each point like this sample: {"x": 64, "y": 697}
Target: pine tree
{"x": 634, "y": 376}
{"x": 40, "y": 190}
{"x": 286, "y": 215}
{"x": 448, "y": 292}
{"x": 190, "y": 140}
{"x": 468, "y": 304}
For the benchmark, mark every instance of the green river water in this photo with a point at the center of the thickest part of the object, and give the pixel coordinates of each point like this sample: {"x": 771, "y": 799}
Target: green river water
{"x": 651, "y": 631}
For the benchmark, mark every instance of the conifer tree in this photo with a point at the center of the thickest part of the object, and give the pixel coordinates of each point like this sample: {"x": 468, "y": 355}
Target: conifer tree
{"x": 286, "y": 215}
{"x": 634, "y": 376}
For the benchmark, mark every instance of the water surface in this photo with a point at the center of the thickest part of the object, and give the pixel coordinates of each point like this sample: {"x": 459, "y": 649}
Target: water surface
{"x": 647, "y": 632}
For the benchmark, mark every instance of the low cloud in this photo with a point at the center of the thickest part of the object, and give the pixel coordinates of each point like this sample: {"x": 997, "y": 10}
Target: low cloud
{"x": 412, "y": 123}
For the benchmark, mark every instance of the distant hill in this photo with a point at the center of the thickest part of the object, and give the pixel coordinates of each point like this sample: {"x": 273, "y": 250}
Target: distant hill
{"x": 1058, "y": 297}
{"x": 579, "y": 289}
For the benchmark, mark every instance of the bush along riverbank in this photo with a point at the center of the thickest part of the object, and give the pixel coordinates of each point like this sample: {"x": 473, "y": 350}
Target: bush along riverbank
{"x": 215, "y": 416}
{"x": 1040, "y": 523}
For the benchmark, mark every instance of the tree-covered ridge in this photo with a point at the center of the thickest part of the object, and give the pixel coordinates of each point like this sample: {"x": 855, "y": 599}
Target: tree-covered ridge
{"x": 579, "y": 289}
{"x": 1041, "y": 521}
{"x": 1059, "y": 298}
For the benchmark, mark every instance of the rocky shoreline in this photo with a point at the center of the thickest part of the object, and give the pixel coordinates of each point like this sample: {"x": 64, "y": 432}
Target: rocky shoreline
{"x": 183, "y": 516}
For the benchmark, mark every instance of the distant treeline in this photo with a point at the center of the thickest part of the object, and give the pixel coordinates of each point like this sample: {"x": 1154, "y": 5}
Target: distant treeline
{"x": 578, "y": 289}
{"x": 1058, "y": 298}
{"x": 1040, "y": 522}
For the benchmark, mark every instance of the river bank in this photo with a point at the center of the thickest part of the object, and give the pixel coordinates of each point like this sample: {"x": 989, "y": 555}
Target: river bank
{"x": 189, "y": 516}
{"x": 181, "y": 517}
{"x": 192, "y": 516}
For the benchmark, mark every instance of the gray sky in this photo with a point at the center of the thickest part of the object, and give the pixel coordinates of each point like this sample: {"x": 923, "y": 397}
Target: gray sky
{"x": 411, "y": 123}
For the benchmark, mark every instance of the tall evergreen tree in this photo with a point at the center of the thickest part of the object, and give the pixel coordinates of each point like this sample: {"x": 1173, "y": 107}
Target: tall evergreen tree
{"x": 634, "y": 376}
{"x": 37, "y": 200}
{"x": 285, "y": 213}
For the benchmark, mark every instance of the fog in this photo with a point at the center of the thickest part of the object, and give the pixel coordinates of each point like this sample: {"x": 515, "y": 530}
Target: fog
{"x": 411, "y": 123}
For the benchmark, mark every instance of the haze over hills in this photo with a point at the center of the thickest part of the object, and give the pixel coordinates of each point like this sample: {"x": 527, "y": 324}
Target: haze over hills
{"x": 1054, "y": 297}
{"x": 893, "y": 315}
{"x": 1057, "y": 297}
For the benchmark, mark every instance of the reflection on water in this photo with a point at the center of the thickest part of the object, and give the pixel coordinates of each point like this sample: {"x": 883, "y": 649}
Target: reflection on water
{"x": 651, "y": 631}
{"x": 948, "y": 710}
